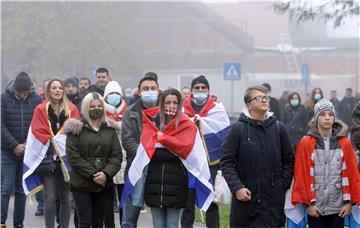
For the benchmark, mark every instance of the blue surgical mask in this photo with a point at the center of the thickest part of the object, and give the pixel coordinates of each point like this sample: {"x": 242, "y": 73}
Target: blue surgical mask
{"x": 149, "y": 98}
{"x": 200, "y": 98}
{"x": 113, "y": 99}
{"x": 317, "y": 96}
{"x": 294, "y": 102}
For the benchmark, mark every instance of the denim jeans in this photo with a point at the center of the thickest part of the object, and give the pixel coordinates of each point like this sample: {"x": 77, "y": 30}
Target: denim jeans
{"x": 55, "y": 188}
{"x": 165, "y": 217}
{"x": 40, "y": 200}
{"x": 11, "y": 179}
{"x": 91, "y": 208}
{"x": 130, "y": 215}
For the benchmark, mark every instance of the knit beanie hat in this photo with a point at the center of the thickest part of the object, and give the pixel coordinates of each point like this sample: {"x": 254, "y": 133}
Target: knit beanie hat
{"x": 200, "y": 79}
{"x": 322, "y": 105}
{"x": 72, "y": 80}
{"x": 22, "y": 82}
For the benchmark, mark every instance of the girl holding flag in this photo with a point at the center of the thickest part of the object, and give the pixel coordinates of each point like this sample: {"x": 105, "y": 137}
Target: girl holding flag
{"x": 170, "y": 146}
{"x": 46, "y": 139}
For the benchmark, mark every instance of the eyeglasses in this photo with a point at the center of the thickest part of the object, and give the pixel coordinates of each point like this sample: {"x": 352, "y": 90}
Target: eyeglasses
{"x": 260, "y": 98}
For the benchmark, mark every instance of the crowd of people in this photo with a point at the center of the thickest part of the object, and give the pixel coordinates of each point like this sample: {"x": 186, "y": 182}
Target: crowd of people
{"x": 92, "y": 148}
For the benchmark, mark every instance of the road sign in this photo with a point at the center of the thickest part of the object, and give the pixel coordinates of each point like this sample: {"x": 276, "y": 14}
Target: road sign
{"x": 232, "y": 71}
{"x": 305, "y": 73}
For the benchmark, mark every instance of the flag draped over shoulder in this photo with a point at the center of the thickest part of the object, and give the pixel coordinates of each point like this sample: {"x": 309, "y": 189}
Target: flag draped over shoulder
{"x": 180, "y": 138}
{"x": 301, "y": 193}
{"x": 214, "y": 126}
{"x": 38, "y": 141}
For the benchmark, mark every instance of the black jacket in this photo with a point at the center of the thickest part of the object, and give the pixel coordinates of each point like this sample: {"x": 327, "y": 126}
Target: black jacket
{"x": 16, "y": 117}
{"x": 275, "y": 108}
{"x": 296, "y": 121}
{"x": 166, "y": 181}
{"x": 258, "y": 155}
{"x": 346, "y": 109}
{"x": 131, "y": 131}
{"x": 90, "y": 151}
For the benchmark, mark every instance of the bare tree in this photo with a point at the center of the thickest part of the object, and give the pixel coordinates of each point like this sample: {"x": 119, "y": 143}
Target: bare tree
{"x": 330, "y": 11}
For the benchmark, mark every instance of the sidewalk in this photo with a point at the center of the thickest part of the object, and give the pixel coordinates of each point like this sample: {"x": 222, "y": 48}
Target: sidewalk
{"x": 32, "y": 221}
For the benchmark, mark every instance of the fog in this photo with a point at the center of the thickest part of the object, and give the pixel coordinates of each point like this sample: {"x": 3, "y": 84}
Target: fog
{"x": 178, "y": 40}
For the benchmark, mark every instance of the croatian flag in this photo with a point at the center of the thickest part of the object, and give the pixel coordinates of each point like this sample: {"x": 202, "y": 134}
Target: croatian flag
{"x": 38, "y": 141}
{"x": 180, "y": 138}
{"x": 214, "y": 125}
{"x": 297, "y": 216}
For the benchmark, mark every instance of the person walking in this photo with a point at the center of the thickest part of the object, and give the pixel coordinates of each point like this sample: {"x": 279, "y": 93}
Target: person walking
{"x": 94, "y": 154}
{"x": 18, "y": 103}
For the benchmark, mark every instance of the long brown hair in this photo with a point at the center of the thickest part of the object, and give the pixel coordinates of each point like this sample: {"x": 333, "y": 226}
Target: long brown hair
{"x": 64, "y": 102}
{"x": 163, "y": 95}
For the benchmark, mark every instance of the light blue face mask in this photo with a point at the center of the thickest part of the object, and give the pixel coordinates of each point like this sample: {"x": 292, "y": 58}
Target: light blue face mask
{"x": 113, "y": 99}
{"x": 200, "y": 98}
{"x": 149, "y": 98}
{"x": 317, "y": 96}
{"x": 294, "y": 102}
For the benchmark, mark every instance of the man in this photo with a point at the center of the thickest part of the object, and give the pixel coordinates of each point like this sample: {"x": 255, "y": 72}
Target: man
{"x": 84, "y": 84}
{"x": 72, "y": 91}
{"x": 185, "y": 92}
{"x": 211, "y": 118}
{"x": 335, "y": 101}
{"x": 257, "y": 162}
{"x": 130, "y": 137}
{"x": 274, "y": 103}
{"x": 346, "y": 107}
{"x": 18, "y": 102}
{"x": 102, "y": 79}
{"x": 43, "y": 88}
{"x": 128, "y": 96}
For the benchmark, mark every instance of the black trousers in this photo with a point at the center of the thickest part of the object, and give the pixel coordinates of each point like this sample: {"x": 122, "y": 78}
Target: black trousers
{"x": 328, "y": 221}
{"x": 91, "y": 208}
{"x": 212, "y": 214}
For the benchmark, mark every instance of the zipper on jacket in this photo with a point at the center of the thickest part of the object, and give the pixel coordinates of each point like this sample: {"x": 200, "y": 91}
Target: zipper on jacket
{"x": 162, "y": 184}
{"x": 22, "y": 120}
{"x": 259, "y": 200}
{"x": 272, "y": 179}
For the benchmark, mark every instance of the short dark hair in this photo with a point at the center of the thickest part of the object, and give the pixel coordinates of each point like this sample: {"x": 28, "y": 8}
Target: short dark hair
{"x": 349, "y": 89}
{"x": 147, "y": 78}
{"x": 151, "y": 74}
{"x": 247, "y": 96}
{"x": 102, "y": 70}
{"x": 267, "y": 86}
{"x": 85, "y": 78}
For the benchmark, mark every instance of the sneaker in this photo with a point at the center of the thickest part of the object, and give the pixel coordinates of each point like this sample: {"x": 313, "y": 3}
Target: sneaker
{"x": 39, "y": 212}
{"x": 2, "y": 226}
{"x": 19, "y": 225}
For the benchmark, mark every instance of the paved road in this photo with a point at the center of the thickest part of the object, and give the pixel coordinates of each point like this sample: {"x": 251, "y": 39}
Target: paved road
{"x": 32, "y": 221}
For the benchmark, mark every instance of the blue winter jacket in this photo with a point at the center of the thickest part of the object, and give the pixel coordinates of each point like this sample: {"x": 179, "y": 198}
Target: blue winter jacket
{"x": 16, "y": 117}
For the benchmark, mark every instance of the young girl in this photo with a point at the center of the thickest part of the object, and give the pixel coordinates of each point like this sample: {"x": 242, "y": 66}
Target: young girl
{"x": 326, "y": 177}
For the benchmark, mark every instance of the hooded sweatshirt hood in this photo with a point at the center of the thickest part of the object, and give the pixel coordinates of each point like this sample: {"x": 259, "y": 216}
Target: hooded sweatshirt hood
{"x": 339, "y": 129}
{"x": 111, "y": 87}
{"x": 11, "y": 90}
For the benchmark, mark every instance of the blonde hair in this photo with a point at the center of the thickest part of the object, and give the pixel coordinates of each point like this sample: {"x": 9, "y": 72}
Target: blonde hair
{"x": 64, "y": 102}
{"x": 85, "y": 106}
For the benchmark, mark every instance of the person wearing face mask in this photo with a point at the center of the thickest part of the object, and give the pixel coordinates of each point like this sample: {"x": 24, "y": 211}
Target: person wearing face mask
{"x": 115, "y": 107}
{"x": 72, "y": 91}
{"x": 295, "y": 118}
{"x": 316, "y": 95}
{"x": 214, "y": 124}
{"x": 18, "y": 102}
{"x": 94, "y": 154}
{"x": 130, "y": 137}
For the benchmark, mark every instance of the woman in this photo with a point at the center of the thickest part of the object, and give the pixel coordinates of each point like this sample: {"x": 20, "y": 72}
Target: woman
{"x": 115, "y": 107}
{"x": 94, "y": 154}
{"x": 316, "y": 95}
{"x": 50, "y": 117}
{"x": 296, "y": 118}
{"x": 166, "y": 180}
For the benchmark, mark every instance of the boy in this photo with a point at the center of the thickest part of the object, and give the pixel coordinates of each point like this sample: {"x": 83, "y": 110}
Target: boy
{"x": 326, "y": 177}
